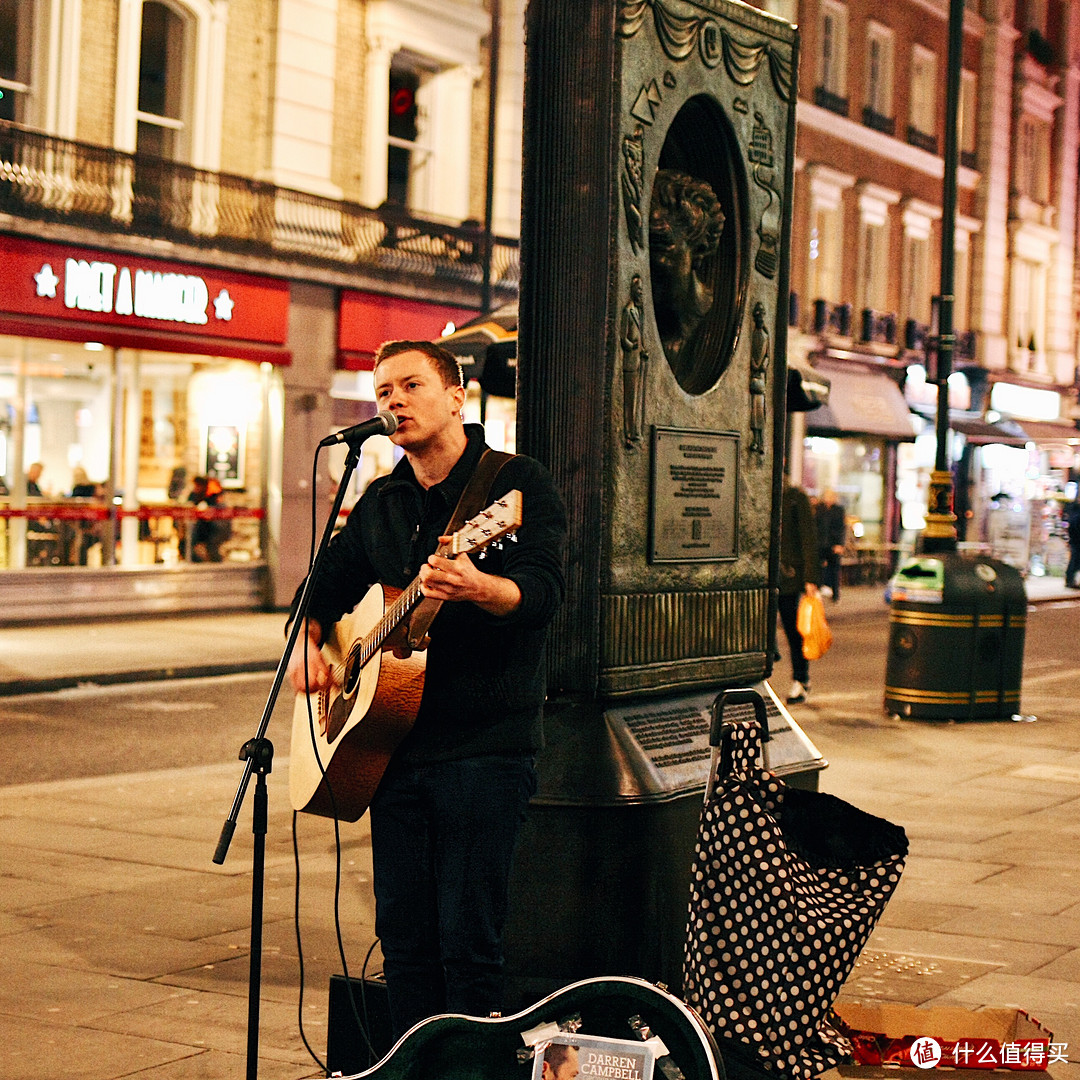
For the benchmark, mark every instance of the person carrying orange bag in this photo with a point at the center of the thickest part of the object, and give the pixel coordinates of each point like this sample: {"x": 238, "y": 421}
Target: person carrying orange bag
{"x": 800, "y": 572}
{"x": 816, "y": 635}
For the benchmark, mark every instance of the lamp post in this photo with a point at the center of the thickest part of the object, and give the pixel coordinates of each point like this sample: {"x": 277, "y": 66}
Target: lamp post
{"x": 939, "y": 533}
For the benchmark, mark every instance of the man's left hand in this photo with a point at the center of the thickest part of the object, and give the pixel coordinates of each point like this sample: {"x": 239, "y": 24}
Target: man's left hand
{"x": 459, "y": 579}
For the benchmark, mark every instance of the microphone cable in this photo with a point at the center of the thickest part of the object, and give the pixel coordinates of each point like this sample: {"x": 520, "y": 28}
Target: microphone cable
{"x": 361, "y": 1024}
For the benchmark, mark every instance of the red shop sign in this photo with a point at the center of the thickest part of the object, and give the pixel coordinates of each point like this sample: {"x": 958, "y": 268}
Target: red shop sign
{"x": 55, "y": 281}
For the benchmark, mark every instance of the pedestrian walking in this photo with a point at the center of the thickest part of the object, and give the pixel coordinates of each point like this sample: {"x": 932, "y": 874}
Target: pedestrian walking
{"x": 800, "y": 573}
{"x": 1072, "y": 528}
{"x": 831, "y": 522}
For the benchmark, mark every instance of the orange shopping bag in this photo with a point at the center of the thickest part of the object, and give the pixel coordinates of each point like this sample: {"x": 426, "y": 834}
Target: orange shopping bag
{"x": 816, "y": 635}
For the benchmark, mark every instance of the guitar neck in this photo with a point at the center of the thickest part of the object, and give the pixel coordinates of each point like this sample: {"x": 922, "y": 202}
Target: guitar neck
{"x": 392, "y": 618}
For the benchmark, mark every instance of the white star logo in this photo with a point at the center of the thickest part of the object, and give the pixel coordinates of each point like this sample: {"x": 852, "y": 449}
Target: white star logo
{"x": 223, "y": 305}
{"x": 46, "y": 282}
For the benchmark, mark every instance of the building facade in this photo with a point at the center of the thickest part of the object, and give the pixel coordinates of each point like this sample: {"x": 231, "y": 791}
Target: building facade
{"x": 866, "y": 260}
{"x": 211, "y": 213}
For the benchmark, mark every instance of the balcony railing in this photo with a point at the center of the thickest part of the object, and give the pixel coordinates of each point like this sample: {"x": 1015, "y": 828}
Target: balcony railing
{"x": 50, "y": 179}
{"x": 826, "y": 99}
{"x": 921, "y": 139}
{"x": 878, "y": 122}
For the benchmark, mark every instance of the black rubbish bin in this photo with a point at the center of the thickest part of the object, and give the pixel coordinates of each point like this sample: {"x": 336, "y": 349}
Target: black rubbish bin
{"x": 956, "y": 639}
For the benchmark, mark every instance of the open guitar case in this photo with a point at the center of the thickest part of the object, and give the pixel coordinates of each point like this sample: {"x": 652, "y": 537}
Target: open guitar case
{"x": 497, "y": 1048}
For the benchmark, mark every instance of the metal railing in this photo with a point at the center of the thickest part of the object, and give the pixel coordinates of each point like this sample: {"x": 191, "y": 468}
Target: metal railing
{"x": 51, "y": 179}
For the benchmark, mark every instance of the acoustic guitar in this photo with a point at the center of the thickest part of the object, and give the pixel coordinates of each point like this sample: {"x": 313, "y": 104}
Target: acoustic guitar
{"x": 343, "y": 736}
{"x": 604, "y": 1018}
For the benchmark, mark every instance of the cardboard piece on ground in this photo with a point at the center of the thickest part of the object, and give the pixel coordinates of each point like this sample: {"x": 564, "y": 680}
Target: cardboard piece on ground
{"x": 949, "y": 1026}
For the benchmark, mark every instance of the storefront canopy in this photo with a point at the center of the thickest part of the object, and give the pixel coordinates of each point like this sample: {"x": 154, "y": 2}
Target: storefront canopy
{"x": 1048, "y": 431}
{"x": 979, "y": 431}
{"x": 862, "y": 403}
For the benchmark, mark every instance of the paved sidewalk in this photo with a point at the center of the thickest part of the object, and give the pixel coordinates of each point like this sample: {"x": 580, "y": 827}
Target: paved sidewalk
{"x": 53, "y": 656}
{"x": 124, "y": 949}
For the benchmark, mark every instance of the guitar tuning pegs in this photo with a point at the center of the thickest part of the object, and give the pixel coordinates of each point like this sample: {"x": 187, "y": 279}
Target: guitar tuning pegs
{"x": 483, "y": 554}
{"x": 512, "y": 536}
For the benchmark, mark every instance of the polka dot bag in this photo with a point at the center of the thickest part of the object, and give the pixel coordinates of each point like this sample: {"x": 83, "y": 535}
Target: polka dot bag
{"x": 786, "y": 886}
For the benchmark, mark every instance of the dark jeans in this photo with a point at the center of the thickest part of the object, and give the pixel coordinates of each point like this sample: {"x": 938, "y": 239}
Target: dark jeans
{"x": 1073, "y": 569}
{"x": 830, "y": 572}
{"x": 800, "y": 666}
{"x": 442, "y": 839}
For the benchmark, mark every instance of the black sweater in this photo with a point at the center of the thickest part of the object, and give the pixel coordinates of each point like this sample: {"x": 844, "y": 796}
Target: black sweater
{"x": 484, "y": 686}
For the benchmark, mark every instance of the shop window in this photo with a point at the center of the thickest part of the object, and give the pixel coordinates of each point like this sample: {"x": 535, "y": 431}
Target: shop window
{"x": 17, "y": 18}
{"x": 160, "y": 420}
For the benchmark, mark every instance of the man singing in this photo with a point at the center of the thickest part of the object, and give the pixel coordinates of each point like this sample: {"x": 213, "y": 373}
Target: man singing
{"x": 447, "y": 812}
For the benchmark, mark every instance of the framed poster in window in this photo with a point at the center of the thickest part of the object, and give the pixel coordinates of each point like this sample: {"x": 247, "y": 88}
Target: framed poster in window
{"x": 224, "y": 456}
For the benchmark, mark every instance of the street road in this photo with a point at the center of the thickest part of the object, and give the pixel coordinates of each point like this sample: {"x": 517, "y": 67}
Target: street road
{"x": 100, "y": 731}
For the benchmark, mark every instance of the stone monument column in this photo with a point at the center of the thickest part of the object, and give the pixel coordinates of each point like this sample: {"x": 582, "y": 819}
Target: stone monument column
{"x": 658, "y": 145}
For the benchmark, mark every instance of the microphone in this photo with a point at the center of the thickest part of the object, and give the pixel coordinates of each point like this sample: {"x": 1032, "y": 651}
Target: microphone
{"x": 382, "y": 423}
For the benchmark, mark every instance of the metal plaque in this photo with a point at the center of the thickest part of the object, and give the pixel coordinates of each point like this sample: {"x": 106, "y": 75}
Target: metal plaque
{"x": 694, "y": 508}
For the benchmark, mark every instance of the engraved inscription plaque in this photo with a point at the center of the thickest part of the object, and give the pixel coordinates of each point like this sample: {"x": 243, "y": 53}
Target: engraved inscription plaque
{"x": 694, "y": 483}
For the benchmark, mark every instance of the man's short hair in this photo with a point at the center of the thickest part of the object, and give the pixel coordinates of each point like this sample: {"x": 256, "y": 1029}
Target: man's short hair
{"x": 442, "y": 360}
{"x": 557, "y": 1054}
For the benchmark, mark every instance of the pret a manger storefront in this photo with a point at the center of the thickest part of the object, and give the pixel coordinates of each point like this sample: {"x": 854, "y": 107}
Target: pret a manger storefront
{"x": 122, "y": 379}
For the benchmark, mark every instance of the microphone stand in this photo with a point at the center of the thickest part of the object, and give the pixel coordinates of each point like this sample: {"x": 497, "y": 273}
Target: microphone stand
{"x": 258, "y": 753}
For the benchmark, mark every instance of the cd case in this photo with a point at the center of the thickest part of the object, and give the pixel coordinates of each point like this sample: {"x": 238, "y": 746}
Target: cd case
{"x": 589, "y": 1057}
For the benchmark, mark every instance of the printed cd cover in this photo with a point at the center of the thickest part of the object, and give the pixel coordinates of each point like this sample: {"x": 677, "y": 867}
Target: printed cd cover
{"x": 589, "y": 1057}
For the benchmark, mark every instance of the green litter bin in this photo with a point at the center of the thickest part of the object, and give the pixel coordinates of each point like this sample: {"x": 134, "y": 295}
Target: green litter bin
{"x": 956, "y": 638}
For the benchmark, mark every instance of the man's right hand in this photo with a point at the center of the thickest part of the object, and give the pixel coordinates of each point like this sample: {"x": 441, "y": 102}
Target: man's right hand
{"x": 318, "y": 674}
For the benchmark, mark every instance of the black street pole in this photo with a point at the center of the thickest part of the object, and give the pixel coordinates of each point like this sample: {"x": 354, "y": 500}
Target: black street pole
{"x": 939, "y": 533}
{"x": 489, "y": 176}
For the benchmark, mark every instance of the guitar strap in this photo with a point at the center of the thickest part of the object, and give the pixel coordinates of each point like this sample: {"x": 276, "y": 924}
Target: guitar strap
{"x": 473, "y": 499}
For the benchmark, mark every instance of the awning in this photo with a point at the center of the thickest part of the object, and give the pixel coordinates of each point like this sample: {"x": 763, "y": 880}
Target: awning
{"x": 1050, "y": 431}
{"x": 977, "y": 430}
{"x": 806, "y": 388}
{"x": 981, "y": 432}
{"x": 862, "y": 403}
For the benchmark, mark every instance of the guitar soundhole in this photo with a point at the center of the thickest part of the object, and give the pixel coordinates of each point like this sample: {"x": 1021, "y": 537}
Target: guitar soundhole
{"x": 337, "y": 715}
{"x": 352, "y": 676}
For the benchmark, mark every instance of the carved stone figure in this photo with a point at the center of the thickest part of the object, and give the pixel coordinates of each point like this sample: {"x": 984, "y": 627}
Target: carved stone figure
{"x": 759, "y": 374}
{"x": 634, "y": 364}
{"x": 685, "y": 225}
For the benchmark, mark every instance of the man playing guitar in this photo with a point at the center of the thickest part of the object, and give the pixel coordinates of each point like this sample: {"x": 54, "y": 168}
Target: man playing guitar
{"x": 447, "y": 811}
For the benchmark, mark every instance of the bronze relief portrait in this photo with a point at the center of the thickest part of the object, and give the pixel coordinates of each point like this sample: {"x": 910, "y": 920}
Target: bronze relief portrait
{"x": 698, "y": 237}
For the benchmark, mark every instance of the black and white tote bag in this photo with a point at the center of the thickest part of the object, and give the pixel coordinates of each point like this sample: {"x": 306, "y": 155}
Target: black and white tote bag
{"x": 786, "y": 887}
